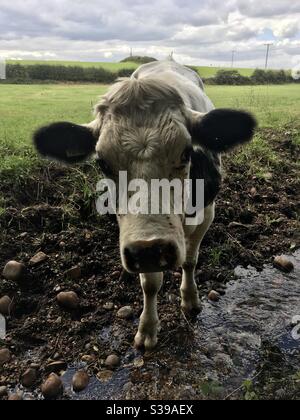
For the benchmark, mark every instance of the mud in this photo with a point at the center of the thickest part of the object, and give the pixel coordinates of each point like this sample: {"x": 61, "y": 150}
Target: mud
{"x": 244, "y": 337}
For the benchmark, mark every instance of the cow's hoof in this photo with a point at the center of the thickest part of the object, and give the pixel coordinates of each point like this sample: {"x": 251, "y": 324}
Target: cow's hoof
{"x": 145, "y": 341}
{"x": 191, "y": 308}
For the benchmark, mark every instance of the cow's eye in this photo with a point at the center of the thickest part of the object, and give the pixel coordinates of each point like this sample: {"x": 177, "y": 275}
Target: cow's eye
{"x": 104, "y": 166}
{"x": 186, "y": 155}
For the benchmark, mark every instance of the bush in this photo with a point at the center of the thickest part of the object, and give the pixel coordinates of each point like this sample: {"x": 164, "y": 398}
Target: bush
{"x": 16, "y": 72}
{"x": 231, "y": 77}
{"x": 44, "y": 72}
{"x": 263, "y": 77}
{"x": 125, "y": 72}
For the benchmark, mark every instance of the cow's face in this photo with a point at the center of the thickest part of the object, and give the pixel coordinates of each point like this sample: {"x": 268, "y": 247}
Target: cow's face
{"x": 143, "y": 128}
{"x": 159, "y": 148}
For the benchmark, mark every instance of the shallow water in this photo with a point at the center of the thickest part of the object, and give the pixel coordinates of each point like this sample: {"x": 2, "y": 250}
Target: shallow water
{"x": 250, "y": 334}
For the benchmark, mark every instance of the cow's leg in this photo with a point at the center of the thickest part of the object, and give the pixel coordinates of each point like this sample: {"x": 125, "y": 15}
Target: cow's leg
{"x": 147, "y": 333}
{"x": 189, "y": 293}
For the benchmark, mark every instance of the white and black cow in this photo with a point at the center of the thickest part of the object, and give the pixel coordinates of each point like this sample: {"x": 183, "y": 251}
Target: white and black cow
{"x": 157, "y": 124}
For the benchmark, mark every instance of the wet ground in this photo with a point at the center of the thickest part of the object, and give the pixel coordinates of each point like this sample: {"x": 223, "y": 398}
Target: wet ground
{"x": 244, "y": 345}
{"x": 239, "y": 347}
{"x": 247, "y": 345}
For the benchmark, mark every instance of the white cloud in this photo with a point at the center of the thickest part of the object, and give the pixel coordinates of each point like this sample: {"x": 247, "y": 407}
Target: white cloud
{"x": 199, "y": 32}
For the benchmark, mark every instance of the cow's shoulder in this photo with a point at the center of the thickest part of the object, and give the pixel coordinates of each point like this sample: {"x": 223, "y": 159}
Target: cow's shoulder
{"x": 206, "y": 165}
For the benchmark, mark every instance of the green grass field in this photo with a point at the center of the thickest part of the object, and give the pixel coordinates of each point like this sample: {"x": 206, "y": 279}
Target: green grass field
{"x": 205, "y": 72}
{"x": 23, "y": 108}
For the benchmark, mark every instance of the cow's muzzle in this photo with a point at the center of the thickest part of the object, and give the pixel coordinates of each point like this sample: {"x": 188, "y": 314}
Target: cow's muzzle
{"x": 150, "y": 256}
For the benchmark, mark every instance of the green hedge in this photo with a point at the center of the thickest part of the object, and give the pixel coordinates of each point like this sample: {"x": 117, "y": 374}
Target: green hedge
{"x": 259, "y": 77}
{"x": 43, "y": 73}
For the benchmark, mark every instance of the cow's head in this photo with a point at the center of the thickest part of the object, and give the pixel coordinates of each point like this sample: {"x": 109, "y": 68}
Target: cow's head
{"x": 143, "y": 127}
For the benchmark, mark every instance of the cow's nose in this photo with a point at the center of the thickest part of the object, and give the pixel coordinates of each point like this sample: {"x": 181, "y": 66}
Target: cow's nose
{"x": 150, "y": 256}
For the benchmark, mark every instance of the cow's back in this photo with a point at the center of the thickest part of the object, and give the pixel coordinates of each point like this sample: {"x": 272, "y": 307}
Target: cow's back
{"x": 187, "y": 82}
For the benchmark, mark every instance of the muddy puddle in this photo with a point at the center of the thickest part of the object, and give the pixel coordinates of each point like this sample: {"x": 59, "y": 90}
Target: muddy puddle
{"x": 247, "y": 345}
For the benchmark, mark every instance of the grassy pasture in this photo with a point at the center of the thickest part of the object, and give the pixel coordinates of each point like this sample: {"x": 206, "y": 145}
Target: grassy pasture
{"x": 23, "y": 108}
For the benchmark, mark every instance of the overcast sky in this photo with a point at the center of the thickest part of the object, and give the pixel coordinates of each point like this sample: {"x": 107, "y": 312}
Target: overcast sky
{"x": 200, "y": 32}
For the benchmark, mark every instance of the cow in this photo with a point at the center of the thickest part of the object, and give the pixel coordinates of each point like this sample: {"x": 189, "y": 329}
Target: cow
{"x": 159, "y": 123}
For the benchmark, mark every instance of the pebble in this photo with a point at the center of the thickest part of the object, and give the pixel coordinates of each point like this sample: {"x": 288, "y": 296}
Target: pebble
{"x": 253, "y": 191}
{"x": 105, "y": 375}
{"x": 88, "y": 358}
{"x": 52, "y": 387}
{"x": 5, "y": 356}
{"x": 5, "y": 305}
{"x": 283, "y": 264}
{"x": 74, "y": 273}
{"x": 15, "y": 397}
{"x": 29, "y": 378}
{"x": 125, "y": 313}
{"x": 38, "y": 258}
{"x": 214, "y": 296}
{"x": 56, "y": 367}
{"x": 68, "y": 300}
{"x": 112, "y": 361}
{"x": 109, "y": 306}
{"x": 80, "y": 381}
{"x": 13, "y": 271}
{"x": 3, "y": 391}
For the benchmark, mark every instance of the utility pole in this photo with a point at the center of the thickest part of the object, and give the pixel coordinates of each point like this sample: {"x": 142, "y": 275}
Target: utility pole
{"x": 232, "y": 58}
{"x": 267, "y": 54}
{"x": 131, "y": 52}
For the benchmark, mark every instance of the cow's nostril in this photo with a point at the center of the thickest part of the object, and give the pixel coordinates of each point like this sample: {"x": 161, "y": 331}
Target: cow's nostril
{"x": 150, "y": 256}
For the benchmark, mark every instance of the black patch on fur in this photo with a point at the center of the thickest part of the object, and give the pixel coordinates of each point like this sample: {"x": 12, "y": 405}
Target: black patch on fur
{"x": 66, "y": 142}
{"x": 206, "y": 165}
{"x": 223, "y": 129}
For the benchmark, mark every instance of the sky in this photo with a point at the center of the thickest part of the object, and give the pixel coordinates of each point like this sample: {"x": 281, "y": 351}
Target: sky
{"x": 198, "y": 32}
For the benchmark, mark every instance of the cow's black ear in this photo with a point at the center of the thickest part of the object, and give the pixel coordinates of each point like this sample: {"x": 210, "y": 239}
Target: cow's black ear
{"x": 222, "y": 129}
{"x": 66, "y": 142}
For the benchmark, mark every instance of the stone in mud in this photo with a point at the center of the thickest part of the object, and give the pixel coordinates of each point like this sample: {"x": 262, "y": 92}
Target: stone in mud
{"x": 29, "y": 378}
{"x": 5, "y": 356}
{"x": 112, "y": 361}
{"x": 214, "y": 296}
{"x": 125, "y": 313}
{"x": 68, "y": 300}
{"x": 56, "y": 367}
{"x": 38, "y": 258}
{"x": 109, "y": 306}
{"x": 52, "y": 387}
{"x": 74, "y": 273}
{"x": 3, "y": 391}
{"x": 87, "y": 358}
{"x": 15, "y": 397}
{"x": 105, "y": 375}
{"x": 13, "y": 271}
{"x": 283, "y": 264}
{"x": 5, "y": 305}
{"x": 80, "y": 381}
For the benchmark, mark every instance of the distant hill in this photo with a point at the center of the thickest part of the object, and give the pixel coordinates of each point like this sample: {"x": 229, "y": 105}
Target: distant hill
{"x": 138, "y": 59}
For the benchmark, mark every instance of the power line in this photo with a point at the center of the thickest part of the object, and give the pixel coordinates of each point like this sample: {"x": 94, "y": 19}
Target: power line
{"x": 268, "y": 45}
